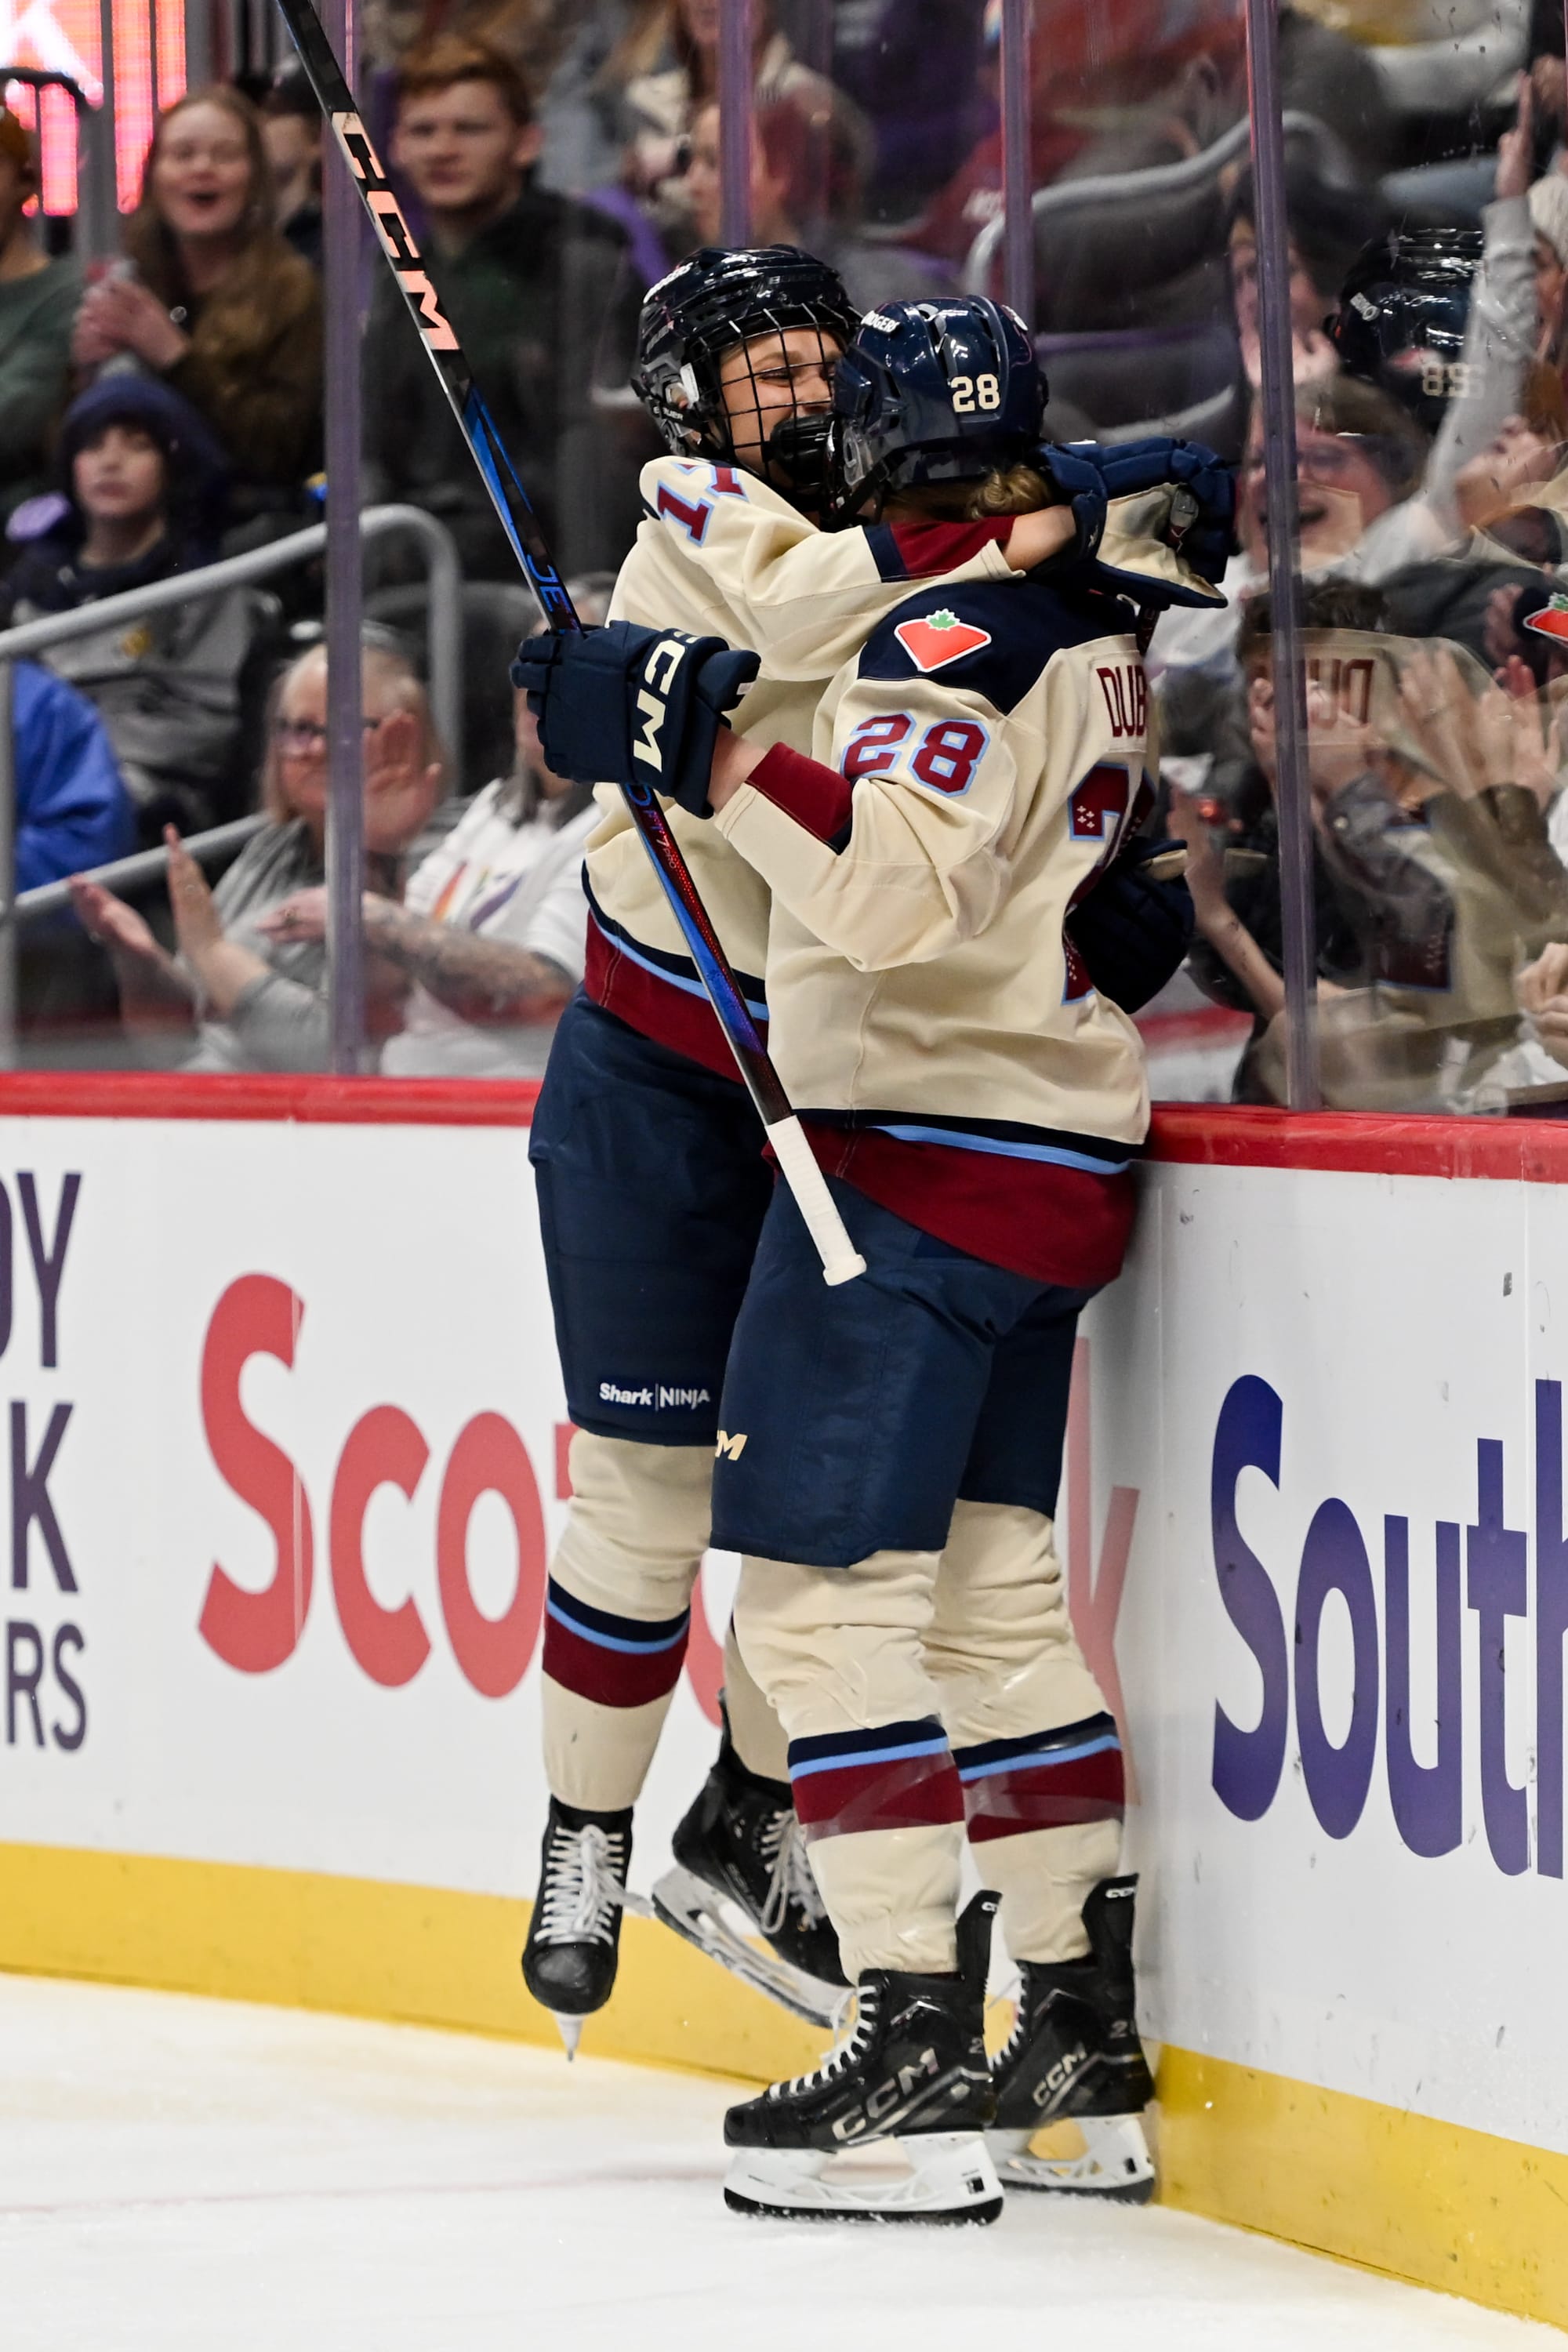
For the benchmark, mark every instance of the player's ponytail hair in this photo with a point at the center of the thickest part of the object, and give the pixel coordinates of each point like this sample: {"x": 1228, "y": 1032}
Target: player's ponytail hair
{"x": 1010, "y": 490}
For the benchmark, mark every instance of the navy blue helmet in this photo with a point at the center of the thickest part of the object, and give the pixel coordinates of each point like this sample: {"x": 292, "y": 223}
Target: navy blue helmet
{"x": 1402, "y": 314}
{"x": 934, "y": 392}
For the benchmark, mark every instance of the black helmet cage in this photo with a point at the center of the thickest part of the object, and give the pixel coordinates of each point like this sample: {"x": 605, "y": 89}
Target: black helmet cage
{"x": 713, "y": 303}
{"x": 934, "y": 392}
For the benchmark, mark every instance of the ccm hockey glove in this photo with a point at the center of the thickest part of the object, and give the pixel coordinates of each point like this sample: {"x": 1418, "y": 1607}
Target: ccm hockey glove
{"x": 1134, "y": 927}
{"x": 626, "y": 705}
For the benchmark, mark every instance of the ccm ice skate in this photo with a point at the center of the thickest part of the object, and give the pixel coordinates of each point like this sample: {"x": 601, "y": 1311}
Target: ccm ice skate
{"x": 1074, "y": 2055}
{"x": 574, "y": 1936}
{"x": 741, "y": 1890}
{"x": 909, "y": 2082}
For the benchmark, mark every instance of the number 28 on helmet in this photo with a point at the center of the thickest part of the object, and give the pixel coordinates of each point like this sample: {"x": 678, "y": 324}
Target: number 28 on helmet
{"x": 934, "y": 392}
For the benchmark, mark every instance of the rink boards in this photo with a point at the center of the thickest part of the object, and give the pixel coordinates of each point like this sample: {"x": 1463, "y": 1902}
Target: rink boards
{"x": 285, "y": 1441}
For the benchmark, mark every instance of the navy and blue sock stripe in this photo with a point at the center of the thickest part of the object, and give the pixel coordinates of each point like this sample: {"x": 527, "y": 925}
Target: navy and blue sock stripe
{"x": 613, "y": 1660}
{"x": 888, "y": 1776}
{"x": 1043, "y": 1780}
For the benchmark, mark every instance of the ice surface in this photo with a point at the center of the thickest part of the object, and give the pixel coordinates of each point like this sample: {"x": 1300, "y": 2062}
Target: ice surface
{"x": 179, "y": 2173}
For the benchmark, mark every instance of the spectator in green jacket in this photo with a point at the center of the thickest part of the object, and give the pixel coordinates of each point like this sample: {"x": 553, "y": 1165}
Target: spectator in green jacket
{"x": 37, "y": 304}
{"x": 538, "y": 290}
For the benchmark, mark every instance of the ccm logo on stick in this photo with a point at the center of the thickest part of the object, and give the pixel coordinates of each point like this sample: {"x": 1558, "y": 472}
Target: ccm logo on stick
{"x": 402, "y": 251}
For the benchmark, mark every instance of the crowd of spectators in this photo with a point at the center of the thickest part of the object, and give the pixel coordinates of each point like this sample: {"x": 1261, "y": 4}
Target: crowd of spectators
{"x": 164, "y": 407}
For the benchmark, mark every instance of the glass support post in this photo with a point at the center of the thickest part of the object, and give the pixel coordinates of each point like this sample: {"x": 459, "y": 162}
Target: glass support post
{"x": 1017, "y": 192}
{"x": 1278, "y": 403}
{"x": 735, "y": 121}
{"x": 346, "y": 746}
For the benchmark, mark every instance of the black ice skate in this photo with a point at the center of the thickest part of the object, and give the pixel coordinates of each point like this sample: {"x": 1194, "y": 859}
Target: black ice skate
{"x": 574, "y": 1936}
{"x": 1074, "y": 2054}
{"x": 909, "y": 2080}
{"x": 740, "y": 1874}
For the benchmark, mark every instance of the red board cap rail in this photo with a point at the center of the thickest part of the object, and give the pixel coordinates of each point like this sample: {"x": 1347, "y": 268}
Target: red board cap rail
{"x": 1214, "y": 1135}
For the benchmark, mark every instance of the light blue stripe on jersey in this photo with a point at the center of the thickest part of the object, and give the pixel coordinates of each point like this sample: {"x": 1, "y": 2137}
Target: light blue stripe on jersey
{"x": 867, "y": 1756}
{"x": 675, "y": 979}
{"x": 1054, "y": 1152}
{"x": 1039, "y": 1756}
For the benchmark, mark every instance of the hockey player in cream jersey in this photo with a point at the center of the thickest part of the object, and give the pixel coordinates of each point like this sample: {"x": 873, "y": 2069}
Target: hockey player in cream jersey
{"x": 977, "y": 1102}
{"x": 650, "y": 1179}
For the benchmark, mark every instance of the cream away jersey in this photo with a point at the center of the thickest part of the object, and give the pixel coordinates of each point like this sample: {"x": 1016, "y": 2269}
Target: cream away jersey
{"x": 723, "y": 555}
{"x": 977, "y": 765}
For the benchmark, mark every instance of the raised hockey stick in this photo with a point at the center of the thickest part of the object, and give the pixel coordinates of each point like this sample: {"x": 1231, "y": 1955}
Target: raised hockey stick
{"x": 797, "y": 1164}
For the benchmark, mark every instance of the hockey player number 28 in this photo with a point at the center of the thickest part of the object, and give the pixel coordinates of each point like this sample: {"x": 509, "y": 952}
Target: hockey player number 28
{"x": 970, "y": 393}
{"x": 945, "y": 757}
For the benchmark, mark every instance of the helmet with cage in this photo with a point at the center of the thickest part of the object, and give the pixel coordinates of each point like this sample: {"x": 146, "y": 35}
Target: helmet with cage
{"x": 934, "y": 391}
{"x": 744, "y": 302}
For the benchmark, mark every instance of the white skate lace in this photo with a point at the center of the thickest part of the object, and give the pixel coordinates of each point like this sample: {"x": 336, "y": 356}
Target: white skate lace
{"x": 582, "y": 1891}
{"x": 782, "y": 1847}
{"x": 844, "y": 2052}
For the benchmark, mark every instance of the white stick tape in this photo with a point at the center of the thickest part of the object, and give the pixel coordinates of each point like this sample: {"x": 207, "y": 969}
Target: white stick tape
{"x": 841, "y": 1261}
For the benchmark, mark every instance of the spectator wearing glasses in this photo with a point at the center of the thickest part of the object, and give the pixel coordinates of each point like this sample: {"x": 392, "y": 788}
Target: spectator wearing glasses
{"x": 492, "y": 934}
{"x": 236, "y": 997}
{"x": 214, "y": 302}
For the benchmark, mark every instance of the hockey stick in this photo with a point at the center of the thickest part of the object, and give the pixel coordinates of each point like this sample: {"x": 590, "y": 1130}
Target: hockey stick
{"x": 797, "y": 1164}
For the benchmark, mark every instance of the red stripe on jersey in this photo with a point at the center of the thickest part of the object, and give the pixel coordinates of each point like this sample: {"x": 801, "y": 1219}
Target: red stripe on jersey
{"x": 930, "y": 548}
{"x": 818, "y": 798}
{"x": 1045, "y": 1796}
{"x": 1053, "y": 1225}
{"x": 914, "y": 1793}
{"x": 610, "y": 1677}
{"x": 656, "y": 1008}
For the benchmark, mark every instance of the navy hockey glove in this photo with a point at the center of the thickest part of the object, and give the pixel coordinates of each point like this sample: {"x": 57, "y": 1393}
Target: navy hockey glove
{"x": 1165, "y": 514}
{"x": 1073, "y": 471}
{"x": 1133, "y": 929}
{"x": 1203, "y": 524}
{"x": 626, "y": 705}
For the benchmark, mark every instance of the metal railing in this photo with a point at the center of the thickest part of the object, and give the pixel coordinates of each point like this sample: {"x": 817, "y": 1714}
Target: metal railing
{"x": 444, "y": 593}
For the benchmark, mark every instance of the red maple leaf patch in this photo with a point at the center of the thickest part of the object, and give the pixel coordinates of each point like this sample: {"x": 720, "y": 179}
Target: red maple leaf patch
{"x": 1551, "y": 621}
{"x": 937, "y": 638}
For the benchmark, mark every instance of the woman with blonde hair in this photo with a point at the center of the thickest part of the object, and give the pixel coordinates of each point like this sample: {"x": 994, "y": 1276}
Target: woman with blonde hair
{"x": 242, "y": 996}
{"x": 213, "y": 300}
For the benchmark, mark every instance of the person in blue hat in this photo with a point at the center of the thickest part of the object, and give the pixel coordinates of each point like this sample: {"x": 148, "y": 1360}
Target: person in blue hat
{"x": 142, "y": 493}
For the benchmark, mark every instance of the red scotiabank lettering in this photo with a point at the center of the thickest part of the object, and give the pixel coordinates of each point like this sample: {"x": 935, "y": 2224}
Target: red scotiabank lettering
{"x": 490, "y": 1457}
{"x": 256, "y": 1631}
{"x": 384, "y": 1449}
{"x": 1126, "y": 692}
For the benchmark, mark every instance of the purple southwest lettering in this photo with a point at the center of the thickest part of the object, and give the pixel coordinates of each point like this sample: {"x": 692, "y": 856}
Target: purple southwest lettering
{"x": 1426, "y": 1800}
{"x": 1333, "y": 1560}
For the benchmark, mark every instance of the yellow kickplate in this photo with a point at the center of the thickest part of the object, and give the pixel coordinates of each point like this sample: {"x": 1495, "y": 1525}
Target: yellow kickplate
{"x": 422, "y": 1955}
{"x": 1428, "y": 2202}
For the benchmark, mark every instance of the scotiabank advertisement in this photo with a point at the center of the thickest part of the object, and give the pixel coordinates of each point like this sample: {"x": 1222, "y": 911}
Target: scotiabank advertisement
{"x": 287, "y": 1456}
{"x": 286, "y": 1451}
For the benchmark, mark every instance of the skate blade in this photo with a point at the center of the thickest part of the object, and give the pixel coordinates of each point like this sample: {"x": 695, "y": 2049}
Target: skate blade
{"x": 947, "y": 2178}
{"x": 1114, "y": 2161}
{"x": 696, "y": 1912}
